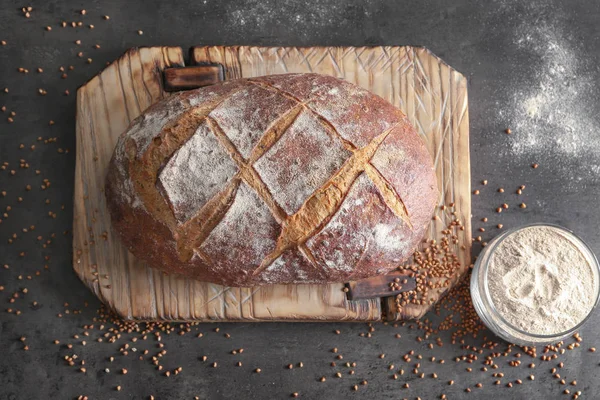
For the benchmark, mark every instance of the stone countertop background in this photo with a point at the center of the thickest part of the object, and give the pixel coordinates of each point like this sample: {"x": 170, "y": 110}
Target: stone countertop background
{"x": 532, "y": 67}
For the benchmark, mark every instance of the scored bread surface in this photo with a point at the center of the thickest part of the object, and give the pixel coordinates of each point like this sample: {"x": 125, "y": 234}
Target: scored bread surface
{"x": 296, "y": 178}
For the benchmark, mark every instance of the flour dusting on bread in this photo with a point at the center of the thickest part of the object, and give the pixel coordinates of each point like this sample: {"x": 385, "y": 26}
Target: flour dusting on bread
{"x": 245, "y": 116}
{"x": 303, "y": 159}
{"x": 147, "y": 126}
{"x": 292, "y": 267}
{"x": 245, "y": 235}
{"x": 363, "y": 230}
{"x": 195, "y": 173}
{"x": 125, "y": 191}
{"x": 356, "y": 114}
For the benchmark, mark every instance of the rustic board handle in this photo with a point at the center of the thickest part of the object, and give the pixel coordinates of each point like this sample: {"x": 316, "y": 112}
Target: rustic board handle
{"x": 186, "y": 78}
{"x": 379, "y": 286}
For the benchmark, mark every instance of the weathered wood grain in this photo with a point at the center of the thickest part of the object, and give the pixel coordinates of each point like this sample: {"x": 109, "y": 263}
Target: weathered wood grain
{"x": 433, "y": 95}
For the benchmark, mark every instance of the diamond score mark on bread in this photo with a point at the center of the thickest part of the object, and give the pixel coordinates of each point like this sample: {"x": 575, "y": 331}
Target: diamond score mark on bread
{"x": 292, "y": 178}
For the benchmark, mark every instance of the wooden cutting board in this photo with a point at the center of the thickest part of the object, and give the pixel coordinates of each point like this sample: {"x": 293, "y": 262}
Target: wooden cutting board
{"x": 432, "y": 94}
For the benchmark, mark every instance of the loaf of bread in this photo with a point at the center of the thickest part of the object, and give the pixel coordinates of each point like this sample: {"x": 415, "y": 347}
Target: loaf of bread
{"x": 296, "y": 178}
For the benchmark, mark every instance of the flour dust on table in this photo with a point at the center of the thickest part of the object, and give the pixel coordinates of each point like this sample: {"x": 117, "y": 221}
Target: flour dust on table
{"x": 552, "y": 110}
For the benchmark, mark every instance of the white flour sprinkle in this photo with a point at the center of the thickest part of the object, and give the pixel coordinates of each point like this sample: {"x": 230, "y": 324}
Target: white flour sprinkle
{"x": 300, "y": 162}
{"x": 553, "y": 115}
{"x": 267, "y": 14}
{"x": 245, "y": 235}
{"x": 541, "y": 281}
{"x": 148, "y": 125}
{"x": 195, "y": 173}
{"x": 125, "y": 189}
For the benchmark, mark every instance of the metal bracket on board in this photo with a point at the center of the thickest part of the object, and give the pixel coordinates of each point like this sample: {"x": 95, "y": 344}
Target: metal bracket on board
{"x": 195, "y": 76}
{"x": 380, "y": 286}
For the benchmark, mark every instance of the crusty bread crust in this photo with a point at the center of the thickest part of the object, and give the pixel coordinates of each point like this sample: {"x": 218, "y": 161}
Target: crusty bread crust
{"x": 296, "y": 178}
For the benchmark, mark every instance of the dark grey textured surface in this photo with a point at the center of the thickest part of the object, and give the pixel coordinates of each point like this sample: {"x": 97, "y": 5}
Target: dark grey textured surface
{"x": 530, "y": 67}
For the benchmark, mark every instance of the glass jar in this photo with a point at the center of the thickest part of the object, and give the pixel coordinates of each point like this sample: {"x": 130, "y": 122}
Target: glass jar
{"x": 482, "y": 300}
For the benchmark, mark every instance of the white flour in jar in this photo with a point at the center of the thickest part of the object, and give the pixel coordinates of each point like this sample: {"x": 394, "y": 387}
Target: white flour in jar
{"x": 541, "y": 281}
